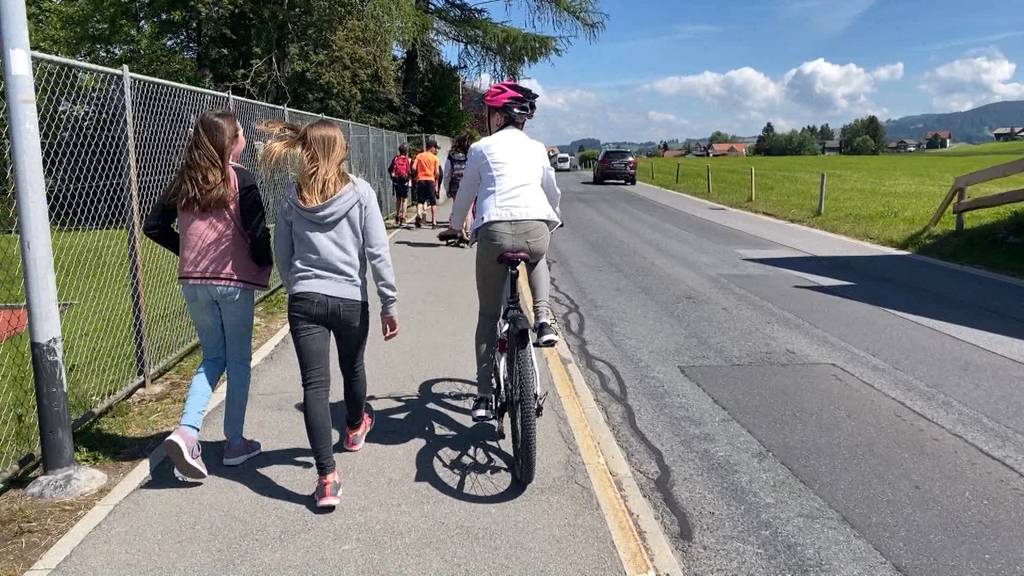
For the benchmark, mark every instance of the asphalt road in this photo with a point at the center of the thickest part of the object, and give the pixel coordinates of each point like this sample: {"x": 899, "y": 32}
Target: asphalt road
{"x": 795, "y": 403}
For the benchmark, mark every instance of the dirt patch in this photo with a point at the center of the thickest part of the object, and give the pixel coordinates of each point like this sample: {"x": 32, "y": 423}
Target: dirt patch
{"x": 115, "y": 443}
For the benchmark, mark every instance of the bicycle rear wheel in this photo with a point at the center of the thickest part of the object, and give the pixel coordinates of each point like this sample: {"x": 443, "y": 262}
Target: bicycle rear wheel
{"x": 522, "y": 413}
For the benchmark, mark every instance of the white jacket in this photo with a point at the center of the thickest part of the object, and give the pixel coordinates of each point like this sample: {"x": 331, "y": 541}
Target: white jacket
{"x": 511, "y": 179}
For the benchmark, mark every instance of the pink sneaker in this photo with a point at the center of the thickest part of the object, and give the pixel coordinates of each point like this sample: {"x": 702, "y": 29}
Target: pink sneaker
{"x": 355, "y": 437}
{"x": 328, "y": 490}
{"x": 186, "y": 452}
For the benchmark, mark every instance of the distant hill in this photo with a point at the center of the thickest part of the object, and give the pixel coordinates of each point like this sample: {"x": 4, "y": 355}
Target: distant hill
{"x": 973, "y": 126}
{"x": 588, "y": 144}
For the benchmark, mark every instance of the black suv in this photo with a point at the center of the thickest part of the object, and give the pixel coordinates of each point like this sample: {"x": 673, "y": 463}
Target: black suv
{"x": 615, "y": 164}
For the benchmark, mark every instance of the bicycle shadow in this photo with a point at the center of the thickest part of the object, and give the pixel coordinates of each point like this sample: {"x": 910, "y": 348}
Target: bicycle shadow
{"x": 460, "y": 459}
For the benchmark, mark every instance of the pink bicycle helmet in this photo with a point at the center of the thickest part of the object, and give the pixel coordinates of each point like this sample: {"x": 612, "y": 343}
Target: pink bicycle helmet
{"x": 514, "y": 99}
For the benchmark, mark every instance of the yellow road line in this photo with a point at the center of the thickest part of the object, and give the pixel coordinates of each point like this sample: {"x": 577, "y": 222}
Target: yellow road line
{"x": 628, "y": 543}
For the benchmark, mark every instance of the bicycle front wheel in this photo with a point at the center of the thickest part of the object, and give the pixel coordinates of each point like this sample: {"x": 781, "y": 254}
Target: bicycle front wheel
{"x": 523, "y": 414}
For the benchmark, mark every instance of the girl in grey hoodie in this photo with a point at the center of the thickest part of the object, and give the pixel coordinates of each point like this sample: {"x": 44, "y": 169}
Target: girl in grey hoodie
{"x": 329, "y": 230}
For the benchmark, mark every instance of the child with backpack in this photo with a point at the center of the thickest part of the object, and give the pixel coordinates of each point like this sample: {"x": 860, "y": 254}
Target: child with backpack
{"x": 455, "y": 167}
{"x": 224, "y": 253}
{"x": 329, "y": 232}
{"x": 400, "y": 171}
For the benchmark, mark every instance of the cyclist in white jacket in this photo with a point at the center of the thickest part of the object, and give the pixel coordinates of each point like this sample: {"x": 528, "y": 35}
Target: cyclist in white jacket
{"x": 517, "y": 207}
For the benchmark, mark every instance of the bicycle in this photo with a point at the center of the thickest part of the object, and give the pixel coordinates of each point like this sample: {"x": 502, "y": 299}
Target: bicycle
{"x": 516, "y": 380}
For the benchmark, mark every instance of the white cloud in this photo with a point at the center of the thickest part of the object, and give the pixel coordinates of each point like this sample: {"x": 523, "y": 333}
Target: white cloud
{"x": 817, "y": 84}
{"x": 665, "y": 118}
{"x": 972, "y": 81}
{"x": 740, "y": 87}
{"x": 888, "y": 72}
{"x": 826, "y": 86}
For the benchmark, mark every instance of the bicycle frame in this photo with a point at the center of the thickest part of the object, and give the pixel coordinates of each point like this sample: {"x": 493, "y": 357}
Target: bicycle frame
{"x": 513, "y": 333}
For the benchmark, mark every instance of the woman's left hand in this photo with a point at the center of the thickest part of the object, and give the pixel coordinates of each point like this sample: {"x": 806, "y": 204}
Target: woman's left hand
{"x": 389, "y": 326}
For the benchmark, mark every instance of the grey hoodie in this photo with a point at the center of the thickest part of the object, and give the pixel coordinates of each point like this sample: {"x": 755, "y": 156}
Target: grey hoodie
{"x": 326, "y": 248}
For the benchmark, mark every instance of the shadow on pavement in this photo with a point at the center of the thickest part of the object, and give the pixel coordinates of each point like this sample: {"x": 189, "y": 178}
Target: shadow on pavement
{"x": 914, "y": 286}
{"x": 248, "y": 474}
{"x": 419, "y": 244}
{"x": 461, "y": 460}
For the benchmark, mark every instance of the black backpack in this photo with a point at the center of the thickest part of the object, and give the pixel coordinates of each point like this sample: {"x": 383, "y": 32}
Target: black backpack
{"x": 458, "y": 162}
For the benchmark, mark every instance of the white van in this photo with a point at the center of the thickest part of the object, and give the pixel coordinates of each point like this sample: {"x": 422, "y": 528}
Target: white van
{"x": 563, "y": 162}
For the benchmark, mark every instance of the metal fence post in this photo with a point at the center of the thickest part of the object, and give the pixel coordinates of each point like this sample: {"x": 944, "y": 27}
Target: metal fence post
{"x": 231, "y": 100}
{"x": 62, "y": 478}
{"x": 284, "y": 107}
{"x": 135, "y": 239}
{"x": 677, "y": 172}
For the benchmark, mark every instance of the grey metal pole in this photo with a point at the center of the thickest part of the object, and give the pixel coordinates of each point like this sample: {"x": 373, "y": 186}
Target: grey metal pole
{"x": 61, "y": 477}
{"x": 135, "y": 238}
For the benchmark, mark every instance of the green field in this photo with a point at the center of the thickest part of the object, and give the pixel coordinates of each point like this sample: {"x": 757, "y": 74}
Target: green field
{"x": 883, "y": 199}
{"x": 93, "y": 285}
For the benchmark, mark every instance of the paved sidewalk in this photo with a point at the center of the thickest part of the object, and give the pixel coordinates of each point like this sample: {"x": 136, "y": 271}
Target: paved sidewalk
{"x": 430, "y": 493}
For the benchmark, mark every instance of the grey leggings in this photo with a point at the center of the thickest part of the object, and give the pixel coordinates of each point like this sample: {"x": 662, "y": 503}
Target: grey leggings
{"x": 530, "y": 236}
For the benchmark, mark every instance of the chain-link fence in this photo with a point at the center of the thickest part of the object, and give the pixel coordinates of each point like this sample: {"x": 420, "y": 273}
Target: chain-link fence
{"x": 111, "y": 142}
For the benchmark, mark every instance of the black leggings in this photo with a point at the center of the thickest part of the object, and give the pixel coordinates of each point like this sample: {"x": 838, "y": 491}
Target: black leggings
{"x": 312, "y": 318}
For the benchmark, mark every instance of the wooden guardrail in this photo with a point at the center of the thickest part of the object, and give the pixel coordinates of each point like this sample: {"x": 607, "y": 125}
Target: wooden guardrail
{"x": 959, "y": 191}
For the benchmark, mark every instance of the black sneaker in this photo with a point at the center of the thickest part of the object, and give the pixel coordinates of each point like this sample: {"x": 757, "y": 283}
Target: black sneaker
{"x": 546, "y": 335}
{"x": 482, "y": 411}
{"x": 419, "y": 221}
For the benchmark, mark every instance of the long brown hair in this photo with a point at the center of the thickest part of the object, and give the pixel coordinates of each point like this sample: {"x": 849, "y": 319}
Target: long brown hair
{"x": 204, "y": 181}
{"x": 321, "y": 151}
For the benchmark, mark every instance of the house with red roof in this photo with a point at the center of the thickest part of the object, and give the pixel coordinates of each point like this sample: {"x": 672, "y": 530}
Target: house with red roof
{"x": 735, "y": 149}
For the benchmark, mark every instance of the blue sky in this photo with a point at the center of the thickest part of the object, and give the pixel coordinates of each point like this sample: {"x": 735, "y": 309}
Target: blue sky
{"x": 675, "y": 68}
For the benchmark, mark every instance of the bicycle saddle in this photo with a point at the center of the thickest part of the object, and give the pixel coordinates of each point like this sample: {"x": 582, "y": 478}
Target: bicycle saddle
{"x": 513, "y": 257}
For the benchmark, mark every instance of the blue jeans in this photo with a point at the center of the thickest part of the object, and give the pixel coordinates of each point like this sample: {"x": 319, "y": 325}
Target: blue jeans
{"x": 222, "y": 316}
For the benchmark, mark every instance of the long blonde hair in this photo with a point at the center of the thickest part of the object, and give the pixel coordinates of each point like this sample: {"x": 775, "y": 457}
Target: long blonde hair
{"x": 204, "y": 181}
{"x": 321, "y": 151}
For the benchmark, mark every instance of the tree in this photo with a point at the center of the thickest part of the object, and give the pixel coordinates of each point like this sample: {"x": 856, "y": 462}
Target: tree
{"x": 587, "y": 157}
{"x": 487, "y": 43}
{"x": 825, "y": 132}
{"x": 868, "y": 126}
{"x": 764, "y": 140}
{"x": 719, "y": 137}
{"x": 580, "y": 149}
{"x": 810, "y": 130}
{"x": 364, "y": 60}
{"x": 331, "y": 57}
{"x": 934, "y": 142}
{"x": 862, "y": 145}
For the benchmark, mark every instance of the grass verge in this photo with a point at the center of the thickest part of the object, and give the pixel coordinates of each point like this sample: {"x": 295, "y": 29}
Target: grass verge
{"x": 114, "y": 443}
{"x": 882, "y": 199}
